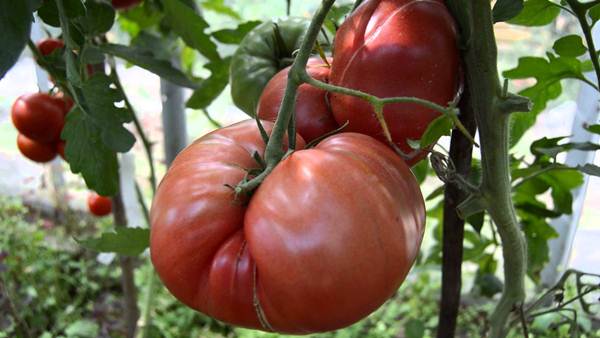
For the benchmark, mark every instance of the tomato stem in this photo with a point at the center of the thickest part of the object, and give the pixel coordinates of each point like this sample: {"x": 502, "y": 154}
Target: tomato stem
{"x": 488, "y": 103}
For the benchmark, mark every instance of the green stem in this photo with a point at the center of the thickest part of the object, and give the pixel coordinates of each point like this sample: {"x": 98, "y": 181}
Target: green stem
{"x": 493, "y": 122}
{"x": 580, "y": 11}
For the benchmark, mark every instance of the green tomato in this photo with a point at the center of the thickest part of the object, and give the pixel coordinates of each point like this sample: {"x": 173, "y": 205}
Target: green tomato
{"x": 263, "y": 52}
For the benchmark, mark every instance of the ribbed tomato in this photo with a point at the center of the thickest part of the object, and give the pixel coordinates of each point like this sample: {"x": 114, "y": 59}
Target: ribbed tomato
{"x": 395, "y": 48}
{"x": 34, "y": 150}
{"x": 313, "y": 114}
{"x": 47, "y": 46}
{"x": 325, "y": 240}
{"x": 124, "y": 4}
{"x": 39, "y": 116}
{"x": 99, "y": 205}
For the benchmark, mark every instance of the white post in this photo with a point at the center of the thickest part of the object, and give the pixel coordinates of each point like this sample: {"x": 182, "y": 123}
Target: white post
{"x": 566, "y": 226}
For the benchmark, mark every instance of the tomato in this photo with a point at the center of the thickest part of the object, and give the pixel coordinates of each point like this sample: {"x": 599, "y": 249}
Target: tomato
{"x": 39, "y": 116}
{"x": 260, "y": 56}
{"x": 34, "y": 150}
{"x": 395, "y": 48}
{"x": 99, "y": 205}
{"x": 124, "y": 4}
{"x": 313, "y": 114}
{"x": 325, "y": 240}
{"x": 60, "y": 149}
{"x": 47, "y": 46}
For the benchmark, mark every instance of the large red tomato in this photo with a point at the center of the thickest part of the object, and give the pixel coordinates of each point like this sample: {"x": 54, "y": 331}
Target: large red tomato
{"x": 313, "y": 114}
{"x": 99, "y": 205}
{"x": 47, "y": 46}
{"x": 325, "y": 240}
{"x": 124, "y": 4}
{"x": 34, "y": 150}
{"x": 395, "y": 48}
{"x": 39, "y": 116}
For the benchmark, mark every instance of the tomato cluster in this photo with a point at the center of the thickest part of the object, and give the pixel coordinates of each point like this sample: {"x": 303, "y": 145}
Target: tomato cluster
{"x": 333, "y": 230}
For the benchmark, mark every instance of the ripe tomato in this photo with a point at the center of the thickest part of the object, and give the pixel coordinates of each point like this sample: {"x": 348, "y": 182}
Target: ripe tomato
{"x": 124, "y": 4}
{"x": 395, "y": 48}
{"x": 47, "y": 46}
{"x": 39, "y": 116}
{"x": 34, "y": 150}
{"x": 60, "y": 149}
{"x": 99, "y": 205}
{"x": 66, "y": 102}
{"x": 325, "y": 240}
{"x": 313, "y": 114}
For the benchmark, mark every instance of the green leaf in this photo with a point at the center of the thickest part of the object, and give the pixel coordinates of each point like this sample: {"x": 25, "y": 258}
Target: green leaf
{"x": 91, "y": 55}
{"x": 235, "y": 36}
{"x": 570, "y": 46}
{"x": 551, "y": 148}
{"x": 414, "y": 328}
{"x": 476, "y": 221}
{"x": 99, "y": 17}
{"x": 537, "y": 233}
{"x": 149, "y": 62}
{"x": 82, "y": 328}
{"x": 488, "y": 284}
{"x": 140, "y": 18}
{"x": 548, "y": 74}
{"x": 15, "y": 25}
{"x": 437, "y": 128}
{"x": 218, "y": 6}
{"x": 420, "y": 170}
{"x": 505, "y": 10}
{"x": 125, "y": 241}
{"x": 594, "y": 13}
{"x": 211, "y": 88}
{"x": 48, "y": 12}
{"x": 190, "y": 27}
{"x": 594, "y": 128}
{"x": 536, "y": 13}
{"x": 88, "y": 155}
{"x": 589, "y": 169}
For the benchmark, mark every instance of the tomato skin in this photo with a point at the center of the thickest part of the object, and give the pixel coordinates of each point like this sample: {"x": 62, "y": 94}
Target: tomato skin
{"x": 47, "y": 46}
{"x": 99, "y": 205}
{"x": 313, "y": 114}
{"x": 259, "y": 57}
{"x": 124, "y": 4}
{"x": 34, "y": 150}
{"x": 325, "y": 240}
{"x": 395, "y": 48}
{"x": 39, "y": 116}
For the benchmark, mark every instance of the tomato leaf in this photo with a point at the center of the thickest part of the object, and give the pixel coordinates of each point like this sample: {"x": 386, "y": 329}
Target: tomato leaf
{"x": 570, "y": 46}
{"x": 594, "y": 128}
{"x": 551, "y": 148}
{"x": 536, "y": 13}
{"x": 439, "y": 127}
{"x": 15, "y": 25}
{"x": 213, "y": 86}
{"x": 505, "y": 10}
{"x": 124, "y": 241}
{"x": 219, "y": 7}
{"x": 149, "y": 62}
{"x": 590, "y": 169}
{"x": 48, "y": 12}
{"x": 190, "y": 27}
{"x": 235, "y": 36}
{"x": 99, "y": 17}
{"x": 594, "y": 13}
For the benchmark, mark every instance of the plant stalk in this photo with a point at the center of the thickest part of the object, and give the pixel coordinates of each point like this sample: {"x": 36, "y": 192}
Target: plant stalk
{"x": 480, "y": 60}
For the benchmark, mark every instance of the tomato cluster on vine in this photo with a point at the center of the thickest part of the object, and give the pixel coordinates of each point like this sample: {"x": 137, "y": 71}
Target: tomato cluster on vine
{"x": 330, "y": 232}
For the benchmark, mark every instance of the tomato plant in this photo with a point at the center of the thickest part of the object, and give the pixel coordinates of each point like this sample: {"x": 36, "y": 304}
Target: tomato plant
{"x": 39, "y": 116}
{"x": 99, "y": 205}
{"x": 47, "y": 46}
{"x": 222, "y": 257}
{"x": 34, "y": 150}
{"x": 313, "y": 114}
{"x": 395, "y": 48}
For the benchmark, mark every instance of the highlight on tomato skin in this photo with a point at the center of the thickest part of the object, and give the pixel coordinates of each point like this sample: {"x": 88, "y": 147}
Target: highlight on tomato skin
{"x": 391, "y": 48}
{"x": 313, "y": 113}
{"x": 324, "y": 241}
{"x": 39, "y": 116}
{"x": 99, "y": 205}
{"x": 121, "y": 5}
{"x": 47, "y": 46}
{"x": 34, "y": 150}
